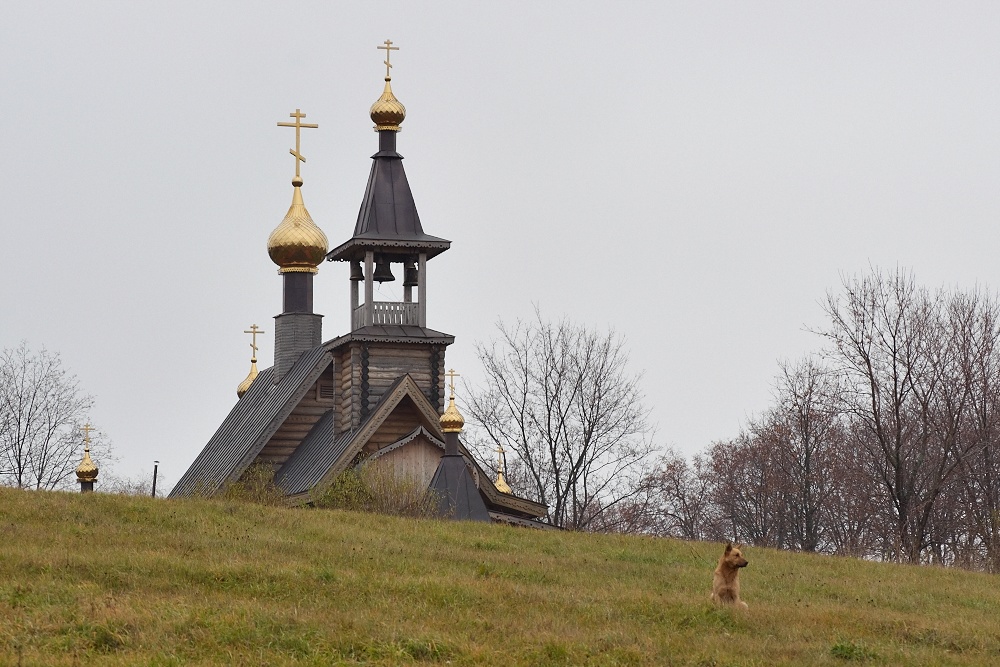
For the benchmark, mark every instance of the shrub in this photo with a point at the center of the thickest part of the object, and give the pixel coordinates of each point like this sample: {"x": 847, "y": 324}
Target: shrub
{"x": 377, "y": 488}
{"x": 256, "y": 485}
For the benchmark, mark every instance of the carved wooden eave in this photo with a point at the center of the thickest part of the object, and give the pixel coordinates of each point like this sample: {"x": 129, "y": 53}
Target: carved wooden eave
{"x": 410, "y": 437}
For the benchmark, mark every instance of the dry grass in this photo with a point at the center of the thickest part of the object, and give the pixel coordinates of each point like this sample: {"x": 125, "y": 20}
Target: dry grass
{"x": 113, "y": 580}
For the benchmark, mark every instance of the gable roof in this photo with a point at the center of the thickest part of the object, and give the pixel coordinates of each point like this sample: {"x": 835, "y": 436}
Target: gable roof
{"x": 250, "y": 424}
{"x": 309, "y": 467}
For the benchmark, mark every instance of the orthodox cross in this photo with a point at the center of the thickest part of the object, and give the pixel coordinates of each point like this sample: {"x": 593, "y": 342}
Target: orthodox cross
{"x": 253, "y": 346}
{"x": 388, "y": 48}
{"x": 500, "y": 458}
{"x": 298, "y": 125}
{"x": 451, "y": 375}
{"x": 87, "y": 428}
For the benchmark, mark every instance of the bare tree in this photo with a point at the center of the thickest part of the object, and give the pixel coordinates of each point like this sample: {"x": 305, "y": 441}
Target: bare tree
{"x": 805, "y": 425}
{"x": 855, "y": 512}
{"x": 749, "y": 489}
{"x": 673, "y": 500}
{"x": 559, "y": 397}
{"x": 976, "y": 494}
{"x": 41, "y": 412}
{"x": 905, "y": 353}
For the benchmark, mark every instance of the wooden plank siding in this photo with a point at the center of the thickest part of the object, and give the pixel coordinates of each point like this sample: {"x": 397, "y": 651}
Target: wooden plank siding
{"x": 417, "y": 460}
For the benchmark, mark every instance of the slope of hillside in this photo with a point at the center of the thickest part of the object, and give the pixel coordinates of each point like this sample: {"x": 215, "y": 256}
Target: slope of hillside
{"x": 109, "y": 580}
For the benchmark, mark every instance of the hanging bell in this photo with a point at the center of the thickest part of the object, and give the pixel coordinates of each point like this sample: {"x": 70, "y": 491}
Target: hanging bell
{"x": 356, "y": 273}
{"x": 409, "y": 275}
{"x": 383, "y": 274}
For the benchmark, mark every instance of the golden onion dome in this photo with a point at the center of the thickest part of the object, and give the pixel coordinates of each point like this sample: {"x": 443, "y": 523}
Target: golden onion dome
{"x": 244, "y": 386}
{"x": 387, "y": 112}
{"x": 297, "y": 244}
{"x": 452, "y": 420}
{"x": 501, "y": 483}
{"x": 87, "y": 470}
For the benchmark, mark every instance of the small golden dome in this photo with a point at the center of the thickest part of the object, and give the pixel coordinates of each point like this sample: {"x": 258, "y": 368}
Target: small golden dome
{"x": 452, "y": 420}
{"x": 501, "y": 483}
{"x": 245, "y": 385}
{"x": 387, "y": 112}
{"x": 297, "y": 244}
{"x": 87, "y": 470}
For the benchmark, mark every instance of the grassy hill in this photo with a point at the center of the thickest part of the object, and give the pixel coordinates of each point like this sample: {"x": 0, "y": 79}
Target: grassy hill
{"x": 107, "y": 580}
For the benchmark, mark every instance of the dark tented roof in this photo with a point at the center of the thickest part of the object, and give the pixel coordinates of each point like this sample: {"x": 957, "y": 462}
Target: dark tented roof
{"x": 388, "y": 218}
{"x": 458, "y": 497}
{"x": 250, "y": 424}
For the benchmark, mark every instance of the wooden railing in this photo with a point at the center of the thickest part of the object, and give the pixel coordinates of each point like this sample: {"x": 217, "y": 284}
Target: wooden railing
{"x": 387, "y": 312}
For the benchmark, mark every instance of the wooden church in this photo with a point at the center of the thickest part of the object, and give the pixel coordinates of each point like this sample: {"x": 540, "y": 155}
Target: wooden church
{"x": 374, "y": 395}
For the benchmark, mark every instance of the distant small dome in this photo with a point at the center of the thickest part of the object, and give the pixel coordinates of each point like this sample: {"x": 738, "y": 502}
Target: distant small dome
{"x": 452, "y": 420}
{"x": 87, "y": 470}
{"x": 501, "y": 483}
{"x": 244, "y": 386}
{"x": 387, "y": 112}
{"x": 297, "y": 244}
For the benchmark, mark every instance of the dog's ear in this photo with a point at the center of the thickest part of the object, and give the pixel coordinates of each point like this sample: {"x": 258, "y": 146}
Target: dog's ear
{"x": 729, "y": 547}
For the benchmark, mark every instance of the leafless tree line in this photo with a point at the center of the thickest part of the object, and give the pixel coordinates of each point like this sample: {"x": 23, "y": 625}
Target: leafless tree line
{"x": 884, "y": 445}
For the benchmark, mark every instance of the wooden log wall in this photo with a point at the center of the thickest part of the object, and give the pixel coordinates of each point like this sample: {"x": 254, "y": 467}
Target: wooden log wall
{"x": 365, "y": 371}
{"x": 289, "y": 435}
{"x": 347, "y": 361}
{"x": 387, "y": 363}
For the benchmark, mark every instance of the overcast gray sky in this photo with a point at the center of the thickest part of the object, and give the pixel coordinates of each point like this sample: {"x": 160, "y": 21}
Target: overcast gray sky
{"x": 695, "y": 175}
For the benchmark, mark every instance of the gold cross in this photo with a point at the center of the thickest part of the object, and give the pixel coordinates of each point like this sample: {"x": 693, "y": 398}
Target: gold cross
{"x": 254, "y": 331}
{"x": 87, "y": 428}
{"x": 298, "y": 125}
{"x": 388, "y": 48}
{"x": 500, "y": 452}
{"x": 452, "y": 375}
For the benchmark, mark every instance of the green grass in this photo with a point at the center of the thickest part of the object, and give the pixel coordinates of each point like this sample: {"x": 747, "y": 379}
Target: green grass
{"x": 111, "y": 580}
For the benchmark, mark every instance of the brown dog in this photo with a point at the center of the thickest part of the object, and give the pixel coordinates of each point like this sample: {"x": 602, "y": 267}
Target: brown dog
{"x": 726, "y": 582}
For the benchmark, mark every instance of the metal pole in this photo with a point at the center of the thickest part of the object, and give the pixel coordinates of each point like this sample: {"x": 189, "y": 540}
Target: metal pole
{"x": 155, "y": 465}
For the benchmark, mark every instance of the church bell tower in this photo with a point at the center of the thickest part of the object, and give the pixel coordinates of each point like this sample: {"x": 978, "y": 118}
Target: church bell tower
{"x": 392, "y": 336}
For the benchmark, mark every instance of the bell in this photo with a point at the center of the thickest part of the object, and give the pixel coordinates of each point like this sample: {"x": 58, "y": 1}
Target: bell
{"x": 383, "y": 274}
{"x": 356, "y": 273}
{"x": 409, "y": 275}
